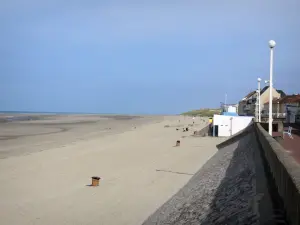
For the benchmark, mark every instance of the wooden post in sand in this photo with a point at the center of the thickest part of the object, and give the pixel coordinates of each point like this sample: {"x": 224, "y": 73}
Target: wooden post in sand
{"x": 95, "y": 181}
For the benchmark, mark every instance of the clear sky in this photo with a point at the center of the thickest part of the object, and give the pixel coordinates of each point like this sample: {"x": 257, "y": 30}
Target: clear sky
{"x": 155, "y": 56}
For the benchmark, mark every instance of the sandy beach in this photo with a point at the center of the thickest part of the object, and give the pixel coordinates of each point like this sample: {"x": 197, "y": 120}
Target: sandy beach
{"x": 46, "y": 166}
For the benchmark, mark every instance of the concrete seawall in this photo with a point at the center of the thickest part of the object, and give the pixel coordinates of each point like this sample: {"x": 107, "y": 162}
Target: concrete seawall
{"x": 250, "y": 180}
{"x": 231, "y": 188}
{"x": 285, "y": 172}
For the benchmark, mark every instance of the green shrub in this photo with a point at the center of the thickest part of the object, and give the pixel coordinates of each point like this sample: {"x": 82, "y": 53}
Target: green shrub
{"x": 202, "y": 112}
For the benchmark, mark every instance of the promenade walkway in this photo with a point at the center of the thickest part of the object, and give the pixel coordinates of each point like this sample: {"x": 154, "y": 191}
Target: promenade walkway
{"x": 292, "y": 145}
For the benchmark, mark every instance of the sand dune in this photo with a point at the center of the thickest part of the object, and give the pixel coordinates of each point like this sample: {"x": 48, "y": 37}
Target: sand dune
{"x": 140, "y": 170}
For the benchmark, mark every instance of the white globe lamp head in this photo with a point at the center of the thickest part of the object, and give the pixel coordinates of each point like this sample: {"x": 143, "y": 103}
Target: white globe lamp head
{"x": 259, "y": 79}
{"x": 272, "y": 43}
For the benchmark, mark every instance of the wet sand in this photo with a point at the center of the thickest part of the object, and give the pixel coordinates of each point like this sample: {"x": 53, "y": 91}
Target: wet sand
{"x": 29, "y": 133}
{"x": 45, "y": 171}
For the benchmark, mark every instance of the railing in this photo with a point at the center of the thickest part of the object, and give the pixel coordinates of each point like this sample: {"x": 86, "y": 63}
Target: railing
{"x": 274, "y": 115}
{"x": 285, "y": 172}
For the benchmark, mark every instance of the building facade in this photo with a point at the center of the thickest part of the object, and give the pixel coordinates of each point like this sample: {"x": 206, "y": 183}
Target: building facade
{"x": 248, "y": 105}
{"x": 287, "y": 107}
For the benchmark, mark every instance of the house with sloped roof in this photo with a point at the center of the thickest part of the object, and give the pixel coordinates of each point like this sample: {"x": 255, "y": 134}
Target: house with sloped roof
{"x": 245, "y": 106}
{"x": 288, "y": 105}
{"x": 248, "y": 104}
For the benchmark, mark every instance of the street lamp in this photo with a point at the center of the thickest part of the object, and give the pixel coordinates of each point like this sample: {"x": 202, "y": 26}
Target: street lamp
{"x": 258, "y": 95}
{"x": 271, "y": 45}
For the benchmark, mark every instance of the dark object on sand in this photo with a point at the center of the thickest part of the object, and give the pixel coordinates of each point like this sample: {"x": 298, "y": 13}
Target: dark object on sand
{"x": 177, "y": 129}
{"x": 187, "y": 129}
{"x": 95, "y": 181}
{"x": 167, "y": 125}
{"x": 177, "y": 143}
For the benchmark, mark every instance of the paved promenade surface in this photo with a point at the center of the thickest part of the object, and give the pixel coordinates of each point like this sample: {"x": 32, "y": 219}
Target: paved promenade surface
{"x": 45, "y": 173}
{"x": 229, "y": 189}
{"x": 292, "y": 145}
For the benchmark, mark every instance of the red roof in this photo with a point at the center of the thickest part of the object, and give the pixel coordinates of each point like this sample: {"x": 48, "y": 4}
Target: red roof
{"x": 290, "y": 99}
{"x": 250, "y": 94}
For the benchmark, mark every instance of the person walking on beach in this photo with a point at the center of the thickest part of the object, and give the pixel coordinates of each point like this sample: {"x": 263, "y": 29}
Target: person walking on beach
{"x": 193, "y": 120}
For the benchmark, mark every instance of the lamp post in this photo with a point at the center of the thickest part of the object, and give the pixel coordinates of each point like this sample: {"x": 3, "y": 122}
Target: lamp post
{"x": 271, "y": 45}
{"x": 256, "y": 107}
{"x": 258, "y": 94}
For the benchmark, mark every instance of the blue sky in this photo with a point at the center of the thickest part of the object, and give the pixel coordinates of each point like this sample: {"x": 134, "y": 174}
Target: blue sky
{"x": 154, "y": 56}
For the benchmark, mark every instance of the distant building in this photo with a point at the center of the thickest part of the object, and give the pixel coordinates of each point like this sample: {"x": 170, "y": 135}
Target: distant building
{"x": 229, "y": 109}
{"x": 248, "y": 104}
{"x": 287, "y": 107}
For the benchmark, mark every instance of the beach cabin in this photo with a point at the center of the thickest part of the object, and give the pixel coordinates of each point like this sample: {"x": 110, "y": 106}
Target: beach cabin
{"x": 229, "y": 122}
